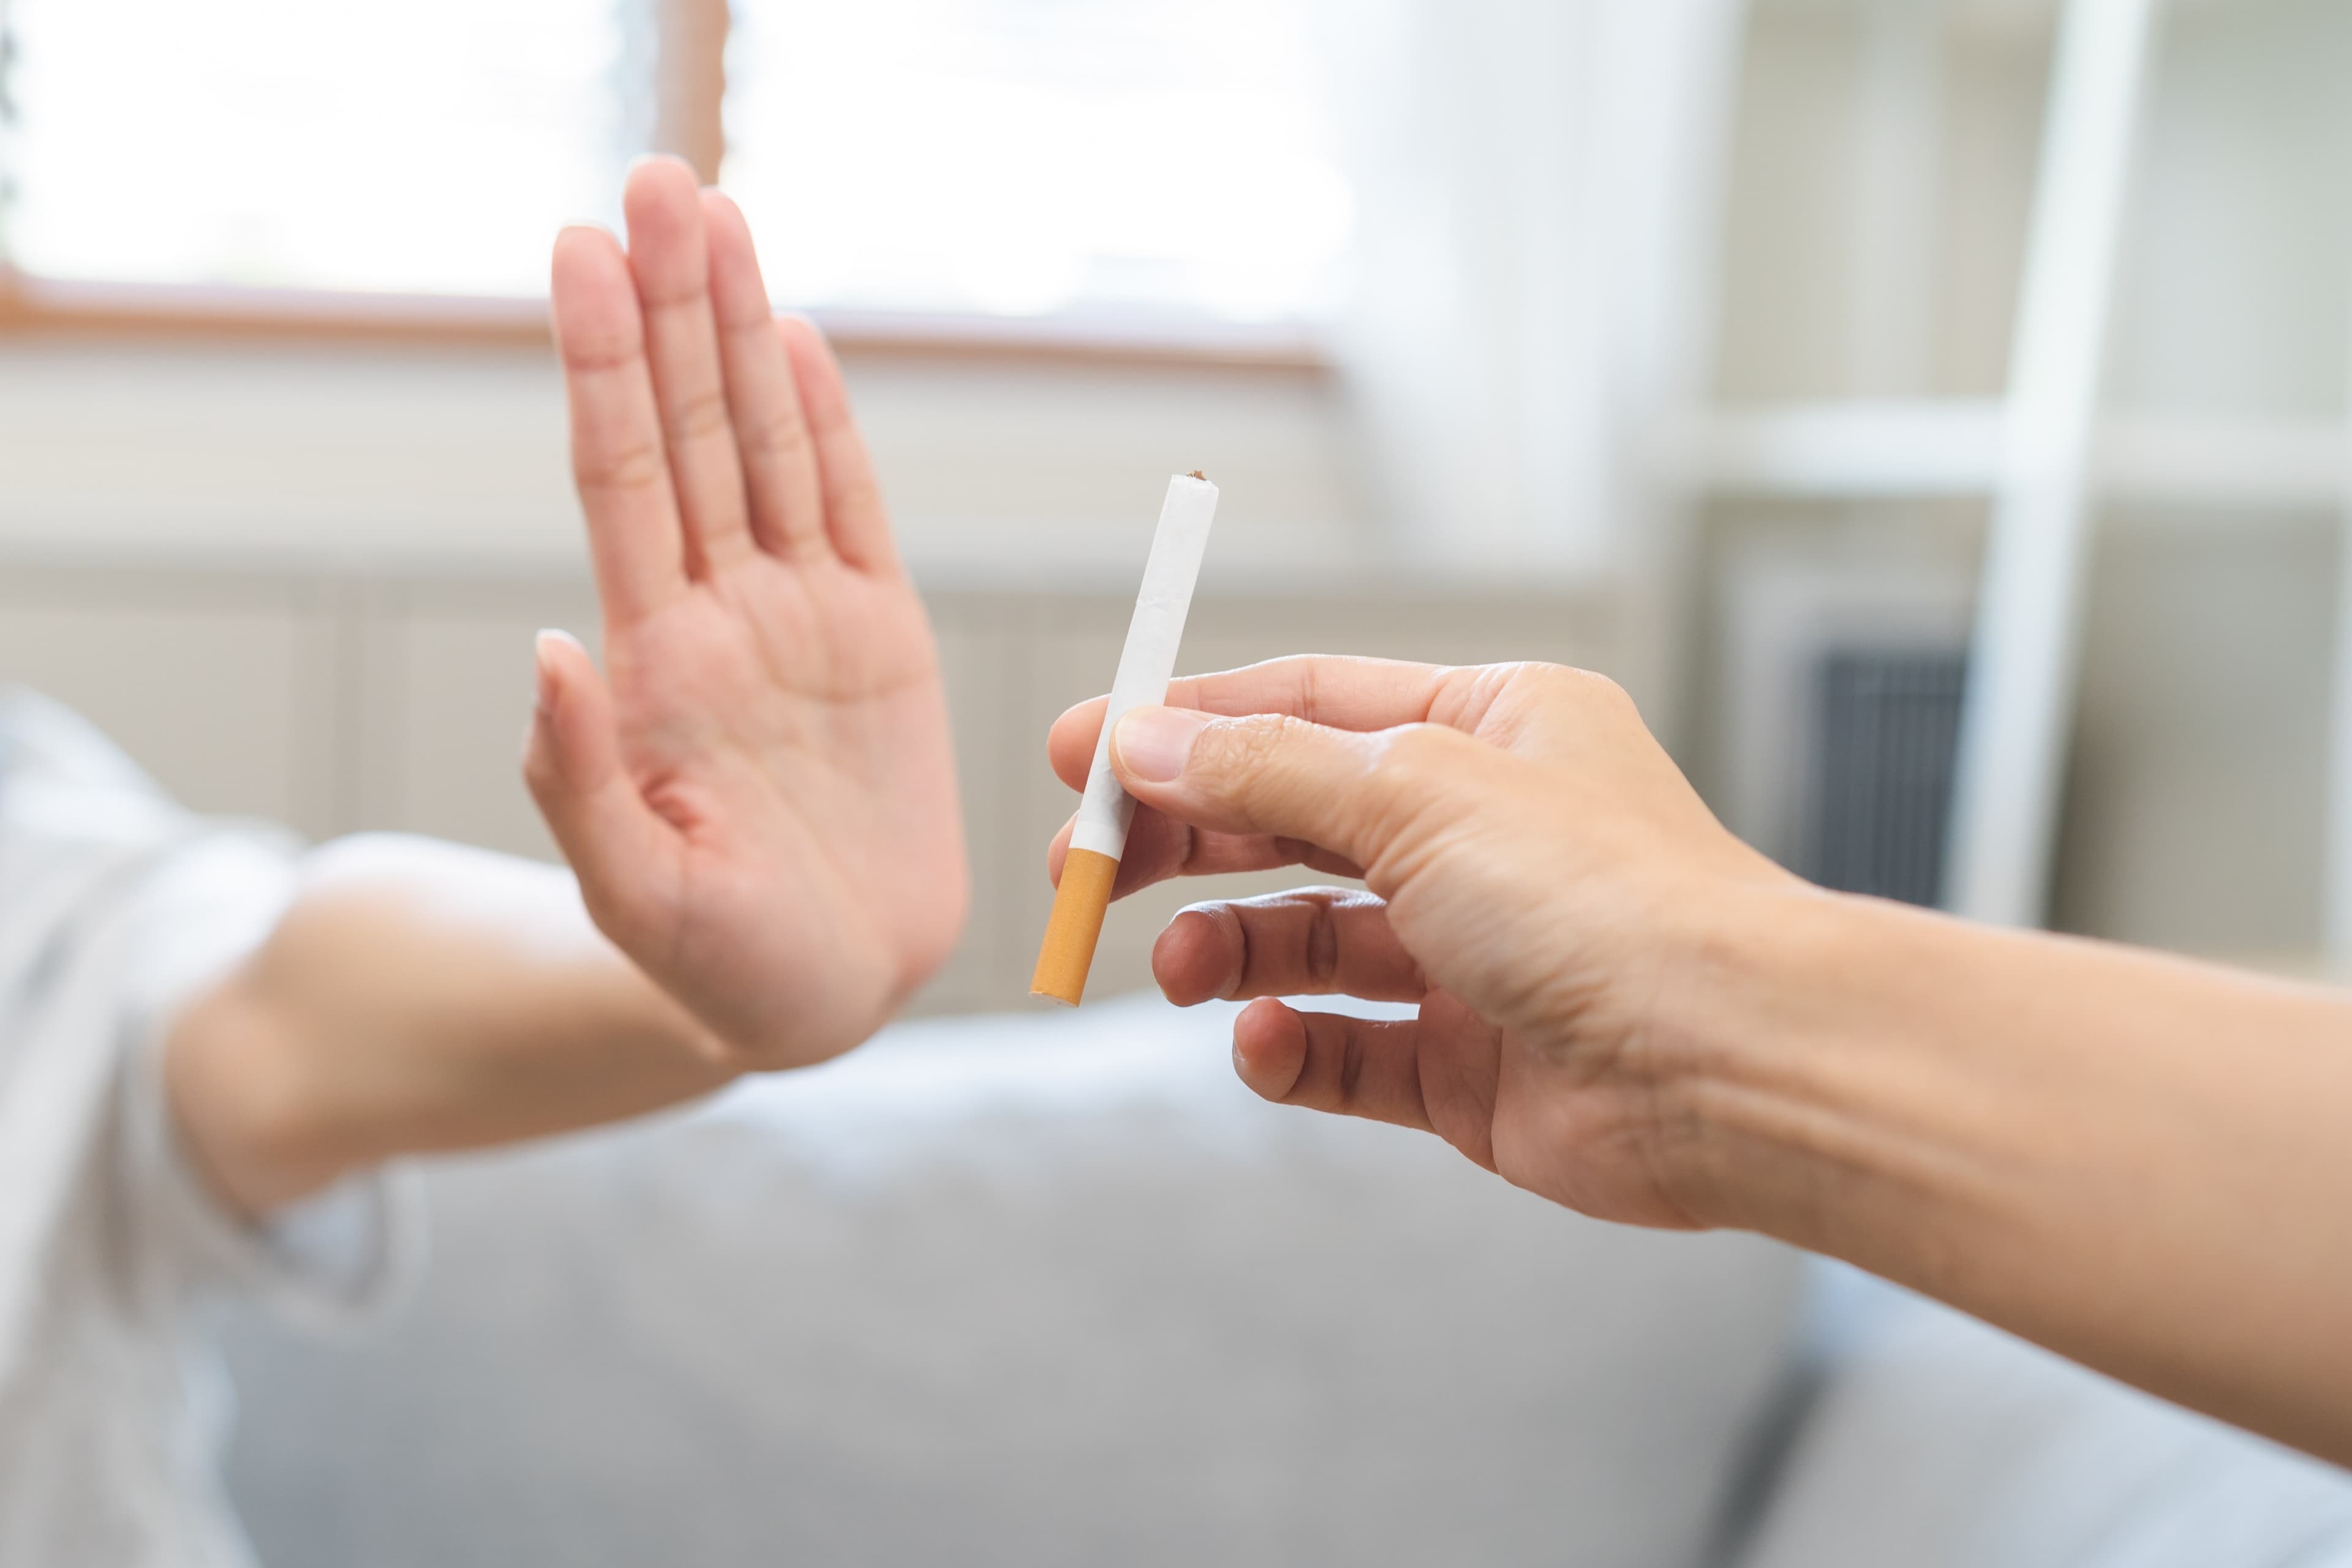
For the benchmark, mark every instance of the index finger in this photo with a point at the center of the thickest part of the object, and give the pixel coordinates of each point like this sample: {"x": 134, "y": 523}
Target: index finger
{"x": 1159, "y": 847}
{"x": 1338, "y": 691}
{"x": 619, "y": 460}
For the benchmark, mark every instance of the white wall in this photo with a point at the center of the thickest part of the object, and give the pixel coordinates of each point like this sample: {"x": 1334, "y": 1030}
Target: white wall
{"x": 308, "y": 455}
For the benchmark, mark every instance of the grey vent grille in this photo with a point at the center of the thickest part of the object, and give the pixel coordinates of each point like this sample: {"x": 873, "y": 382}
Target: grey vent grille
{"x": 1886, "y": 723}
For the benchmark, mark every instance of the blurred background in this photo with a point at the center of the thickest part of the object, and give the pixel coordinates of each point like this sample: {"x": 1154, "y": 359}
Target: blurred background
{"x": 1934, "y": 411}
{"x": 1703, "y": 343}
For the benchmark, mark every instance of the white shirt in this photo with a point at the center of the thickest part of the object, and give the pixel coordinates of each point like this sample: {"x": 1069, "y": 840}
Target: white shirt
{"x": 115, "y": 906}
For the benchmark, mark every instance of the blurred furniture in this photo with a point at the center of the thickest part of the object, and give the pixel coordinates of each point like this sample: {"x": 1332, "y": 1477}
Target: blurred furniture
{"x": 1038, "y": 1290}
{"x": 1937, "y": 1442}
{"x": 1055, "y": 1289}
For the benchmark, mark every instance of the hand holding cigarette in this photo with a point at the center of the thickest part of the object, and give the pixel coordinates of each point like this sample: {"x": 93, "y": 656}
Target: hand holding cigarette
{"x": 2122, "y": 1155}
{"x": 1539, "y": 872}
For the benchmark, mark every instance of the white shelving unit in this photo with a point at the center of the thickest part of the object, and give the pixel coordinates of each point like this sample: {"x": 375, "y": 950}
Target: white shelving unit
{"x": 2044, "y": 456}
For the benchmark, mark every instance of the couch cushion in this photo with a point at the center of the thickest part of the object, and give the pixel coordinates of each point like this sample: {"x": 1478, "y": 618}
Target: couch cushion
{"x": 1938, "y": 1442}
{"x": 1029, "y": 1289}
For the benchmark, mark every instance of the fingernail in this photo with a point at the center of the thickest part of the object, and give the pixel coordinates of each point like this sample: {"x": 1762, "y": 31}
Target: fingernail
{"x": 1152, "y": 744}
{"x": 542, "y": 666}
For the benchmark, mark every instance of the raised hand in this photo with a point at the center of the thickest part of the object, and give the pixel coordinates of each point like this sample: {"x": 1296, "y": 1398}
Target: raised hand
{"x": 759, "y": 795}
{"x": 1541, "y": 877}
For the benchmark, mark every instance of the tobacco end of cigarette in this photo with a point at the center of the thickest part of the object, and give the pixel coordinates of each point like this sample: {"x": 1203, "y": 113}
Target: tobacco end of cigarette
{"x": 1075, "y": 926}
{"x": 1197, "y": 474}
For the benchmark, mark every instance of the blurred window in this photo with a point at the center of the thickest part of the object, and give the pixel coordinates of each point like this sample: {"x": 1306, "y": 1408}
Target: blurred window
{"x": 1023, "y": 156}
{"x": 429, "y": 146}
{"x": 1003, "y": 156}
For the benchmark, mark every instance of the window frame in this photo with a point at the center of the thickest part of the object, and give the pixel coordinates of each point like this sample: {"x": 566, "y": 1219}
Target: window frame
{"x": 688, "y": 83}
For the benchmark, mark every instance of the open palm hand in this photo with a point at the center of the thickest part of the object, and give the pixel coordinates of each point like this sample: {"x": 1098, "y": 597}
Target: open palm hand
{"x": 759, "y": 796}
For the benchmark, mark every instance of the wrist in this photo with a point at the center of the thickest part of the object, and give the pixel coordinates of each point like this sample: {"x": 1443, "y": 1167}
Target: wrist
{"x": 1769, "y": 1032}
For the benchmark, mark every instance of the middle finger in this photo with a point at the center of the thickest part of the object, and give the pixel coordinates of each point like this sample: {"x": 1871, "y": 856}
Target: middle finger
{"x": 1158, "y": 848}
{"x": 669, "y": 253}
{"x": 1310, "y": 941}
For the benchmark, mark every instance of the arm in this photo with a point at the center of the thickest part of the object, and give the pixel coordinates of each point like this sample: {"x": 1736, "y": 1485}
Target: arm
{"x": 418, "y": 995}
{"x": 2137, "y": 1160}
{"x": 757, "y": 795}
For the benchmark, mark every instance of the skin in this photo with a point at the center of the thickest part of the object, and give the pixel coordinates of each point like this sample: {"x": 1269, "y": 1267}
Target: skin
{"x": 2136, "y": 1160}
{"x": 757, "y": 796}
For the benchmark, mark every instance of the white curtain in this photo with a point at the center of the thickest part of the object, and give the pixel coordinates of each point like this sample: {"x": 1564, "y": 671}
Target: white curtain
{"x": 1526, "y": 321}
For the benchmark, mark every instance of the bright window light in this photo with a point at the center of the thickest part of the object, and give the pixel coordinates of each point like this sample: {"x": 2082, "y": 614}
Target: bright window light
{"x": 1018, "y": 157}
{"x": 429, "y": 146}
{"x": 1015, "y": 157}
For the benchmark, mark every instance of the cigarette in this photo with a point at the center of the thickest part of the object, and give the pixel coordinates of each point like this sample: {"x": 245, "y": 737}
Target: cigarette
{"x": 1099, "y": 836}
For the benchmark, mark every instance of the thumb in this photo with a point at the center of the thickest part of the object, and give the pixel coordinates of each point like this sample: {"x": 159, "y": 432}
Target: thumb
{"x": 1348, "y": 792}
{"x": 618, "y": 847}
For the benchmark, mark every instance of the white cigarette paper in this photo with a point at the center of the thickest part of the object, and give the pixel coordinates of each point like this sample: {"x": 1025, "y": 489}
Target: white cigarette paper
{"x": 1148, "y": 661}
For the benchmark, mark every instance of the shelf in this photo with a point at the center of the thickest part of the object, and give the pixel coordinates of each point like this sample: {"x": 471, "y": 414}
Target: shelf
{"x": 1886, "y": 450}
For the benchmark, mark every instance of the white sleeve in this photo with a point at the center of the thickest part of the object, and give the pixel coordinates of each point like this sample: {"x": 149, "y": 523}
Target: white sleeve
{"x": 335, "y": 1258}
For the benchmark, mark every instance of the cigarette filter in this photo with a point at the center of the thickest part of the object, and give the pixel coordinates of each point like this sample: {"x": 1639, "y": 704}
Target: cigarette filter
{"x": 1145, "y": 666}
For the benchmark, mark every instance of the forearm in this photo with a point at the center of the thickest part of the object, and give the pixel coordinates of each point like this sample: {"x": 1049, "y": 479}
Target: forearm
{"x": 420, "y": 996}
{"x": 2137, "y": 1160}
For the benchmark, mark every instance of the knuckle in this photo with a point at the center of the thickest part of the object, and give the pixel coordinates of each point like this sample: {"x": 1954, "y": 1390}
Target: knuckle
{"x": 1353, "y": 1042}
{"x": 777, "y": 441}
{"x": 1244, "y": 747}
{"x": 1606, "y": 693}
{"x": 1550, "y": 705}
{"x": 598, "y": 353}
{"x": 539, "y": 775}
{"x": 1584, "y": 687}
{"x": 1557, "y": 680}
{"x": 1421, "y": 781}
{"x": 1417, "y": 757}
{"x": 1322, "y": 959}
{"x": 698, "y": 417}
{"x": 1310, "y": 686}
{"x": 636, "y": 467}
